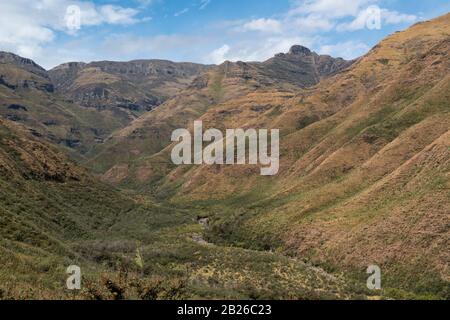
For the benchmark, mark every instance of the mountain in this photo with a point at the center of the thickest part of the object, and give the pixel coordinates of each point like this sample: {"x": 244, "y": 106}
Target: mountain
{"x": 302, "y": 67}
{"x": 77, "y": 105}
{"x": 135, "y": 86}
{"x": 17, "y": 72}
{"x": 364, "y": 175}
{"x": 281, "y": 76}
{"x": 54, "y": 214}
{"x": 28, "y": 96}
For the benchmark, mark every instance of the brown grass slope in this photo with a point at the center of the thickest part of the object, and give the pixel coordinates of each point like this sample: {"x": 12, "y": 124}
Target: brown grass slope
{"x": 49, "y": 209}
{"x": 53, "y": 214}
{"x": 133, "y": 87}
{"x": 364, "y": 173}
{"x": 27, "y": 96}
{"x": 128, "y": 154}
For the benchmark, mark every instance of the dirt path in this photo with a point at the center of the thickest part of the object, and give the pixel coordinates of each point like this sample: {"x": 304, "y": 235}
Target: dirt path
{"x": 198, "y": 237}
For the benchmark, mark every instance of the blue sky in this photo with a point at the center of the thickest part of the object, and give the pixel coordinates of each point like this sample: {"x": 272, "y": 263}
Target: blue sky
{"x": 204, "y": 31}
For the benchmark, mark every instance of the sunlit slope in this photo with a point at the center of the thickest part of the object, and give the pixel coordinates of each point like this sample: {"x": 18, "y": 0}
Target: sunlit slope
{"x": 364, "y": 172}
{"x": 151, "y": 133}
{"x": 49, "y": 207}
{"x": 78, "y": 105}
{"x": 125, "y": 156}
{"x": 27, "y": 96}
{"x": 53, "y": 214}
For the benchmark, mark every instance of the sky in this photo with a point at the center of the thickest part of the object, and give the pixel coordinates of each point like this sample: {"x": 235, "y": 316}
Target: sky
{"x": 52, "y": 32}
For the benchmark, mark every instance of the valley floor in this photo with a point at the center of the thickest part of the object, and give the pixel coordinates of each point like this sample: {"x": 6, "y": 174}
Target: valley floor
{"x": 171, "y": 258}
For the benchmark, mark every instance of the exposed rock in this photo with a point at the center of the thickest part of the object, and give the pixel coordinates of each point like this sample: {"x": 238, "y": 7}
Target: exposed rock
{"x": 138, "y": 85}
{"x": 302, "y": 67}
{"x": 23, "y": 63}
{"x": 17, "y": 107}
{"x": 299, "y": 50}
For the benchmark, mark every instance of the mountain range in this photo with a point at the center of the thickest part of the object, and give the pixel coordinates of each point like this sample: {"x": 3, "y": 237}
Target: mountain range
{"x": 364, "y": 175}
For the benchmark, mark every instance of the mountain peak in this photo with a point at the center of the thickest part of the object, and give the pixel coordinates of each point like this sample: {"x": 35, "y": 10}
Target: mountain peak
{"x": 299, "y": 50}
{"x": 21, "y": 62}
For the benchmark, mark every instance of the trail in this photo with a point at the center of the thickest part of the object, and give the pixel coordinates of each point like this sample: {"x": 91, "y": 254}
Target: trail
{"x": 198, "y": 237}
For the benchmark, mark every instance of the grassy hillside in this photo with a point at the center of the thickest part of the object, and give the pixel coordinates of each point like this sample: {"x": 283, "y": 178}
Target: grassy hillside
{"x": 138, "y": 85}
{"x": 53, "y": 214}
{"x": 364, "y": 173}
{"x": 364, "y": 179}
{"x": 27, "y": 96}
{"x": 124, "y": 157}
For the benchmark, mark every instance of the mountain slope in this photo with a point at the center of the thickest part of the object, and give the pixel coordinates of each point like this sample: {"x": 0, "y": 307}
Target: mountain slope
{"x": 46, "y": 203}
{"x": 302, "y": 67}
{"x": 364, "y": 175}
{"x": 53, "y": 215}
{"x": 77, "y": 105}
{"x": 148, "y": 135}
{"x": 27, "y": 96}
{"x": 133, "y": 87}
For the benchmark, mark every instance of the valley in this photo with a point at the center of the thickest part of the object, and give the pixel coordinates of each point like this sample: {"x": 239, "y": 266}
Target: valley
{"x": 87, "y": 177}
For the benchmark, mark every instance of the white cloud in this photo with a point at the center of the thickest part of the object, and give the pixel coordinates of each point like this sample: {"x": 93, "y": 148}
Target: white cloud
{"x": 204, "y": 4}
{"x": 324, "y": 15}
{"x": 386, "y": 17}
{"x": 347, "y": 50}
{"x": 263, "y": 25}
{"x": 218, "y": 55}
{"x": 27, "y": 26}
{"x": 144, "y": 3}
{"x": 393, "y": 17}
{"x": 360, "y": 22}
{"x": 180, "y": 13}
{"x": 329, "y": 8}
{"x": 306, "y": 23}
{"x": 128, "y": 46}
{"x": 117, "y": 15}
{"x": 315, "y": 16}
{"x": 311, "y": 24}
{"x": 254, "y": 49}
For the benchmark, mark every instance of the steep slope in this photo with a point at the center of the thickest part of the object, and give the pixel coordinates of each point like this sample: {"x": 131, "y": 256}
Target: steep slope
{"x": 53, "y": 215}
{"x": 364, "y": 175}
{"x": 47, "y": 202}
{"x": 279, "y": 77}
{"x": 27, "y": 96}
{"x": 77, "y": 105}
{"x": 130, "y": 88}
{"x": 18, "y": 72}
{"x": 302, "y": 67}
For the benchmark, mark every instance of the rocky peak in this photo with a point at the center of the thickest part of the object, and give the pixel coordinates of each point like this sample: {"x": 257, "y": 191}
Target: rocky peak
{"x": 302, "y": 67}
{"x": 34, "y": 76}
{"x": 70, "y": 65}
{"x": 23, "y": 63}
{"x": 299, "y": 50}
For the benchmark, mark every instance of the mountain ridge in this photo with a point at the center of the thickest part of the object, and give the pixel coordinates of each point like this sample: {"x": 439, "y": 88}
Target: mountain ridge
{"x": 363, "y": 180}
{"x": 364, "y": 153}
